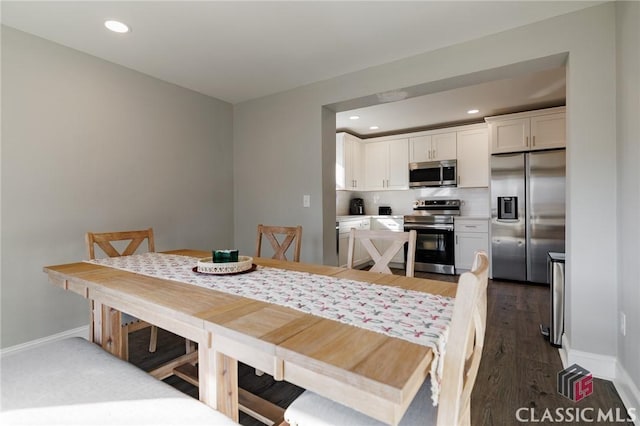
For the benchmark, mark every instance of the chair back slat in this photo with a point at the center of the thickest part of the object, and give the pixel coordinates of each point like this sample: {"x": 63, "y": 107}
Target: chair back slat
{"x": 292, "y": 234}
{"x": 381, "y": 260}
{"x": 104, "y": 240}
{"x": 465, "y": 344}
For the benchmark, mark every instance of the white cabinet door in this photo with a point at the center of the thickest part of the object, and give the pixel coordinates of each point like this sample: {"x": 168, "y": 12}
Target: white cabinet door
{"x": 353, "y": 155}
{"x": 471, "y": 235}
{"x": 542, "y": 129}
{"x": 467, "y": 244}
{"x": 548, "y": 131}
{"x": 398, "y": 169}
{"x": 420, "y": 149}
{"x": 443, "y": 146}
{"x": 440, "y": 146}
{"x": 510, "y": 135}
{"x": 376, "y": 164}
{"x": 349, "y": 168}
{"x": 361, "y": 256}
{"x": 473, "y": 158}
{"x": 387, "y": 165}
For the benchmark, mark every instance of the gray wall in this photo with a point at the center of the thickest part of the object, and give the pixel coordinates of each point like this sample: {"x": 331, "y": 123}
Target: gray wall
{"x": 628, "y": 107}
{"x": 89, "y": 145}
{"x": 261, "y": 140}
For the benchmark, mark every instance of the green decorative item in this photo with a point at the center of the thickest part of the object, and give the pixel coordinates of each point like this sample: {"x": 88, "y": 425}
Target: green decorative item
{"x": 225, "y": 256}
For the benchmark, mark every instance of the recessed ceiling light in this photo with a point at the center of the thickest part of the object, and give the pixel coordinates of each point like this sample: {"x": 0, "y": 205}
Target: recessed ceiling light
{"x": 374, "y": 128}
{"x": 473, "y": 111}
{"x": 354, "y": 117}
{"x": 116, "y": 26}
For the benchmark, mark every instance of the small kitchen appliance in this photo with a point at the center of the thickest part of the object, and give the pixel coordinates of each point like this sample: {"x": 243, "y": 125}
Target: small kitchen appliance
{"x": 433, "y": 173}
{"x": 356, "y": 206}
{"x": 384, "y": 210}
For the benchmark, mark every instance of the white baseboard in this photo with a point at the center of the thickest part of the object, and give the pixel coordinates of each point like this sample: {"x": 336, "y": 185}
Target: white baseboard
{"x": 605, "y": 367}
{"x": 628, "y": 391}
{"x": 601, "y": 366}
{"x": 76, "y": 332}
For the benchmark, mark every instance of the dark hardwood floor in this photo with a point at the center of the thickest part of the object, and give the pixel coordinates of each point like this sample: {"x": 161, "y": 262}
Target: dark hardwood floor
{"x": 518, "y": 368}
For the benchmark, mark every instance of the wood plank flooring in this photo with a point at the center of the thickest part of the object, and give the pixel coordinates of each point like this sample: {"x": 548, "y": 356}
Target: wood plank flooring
{"x": 518, "y": 368}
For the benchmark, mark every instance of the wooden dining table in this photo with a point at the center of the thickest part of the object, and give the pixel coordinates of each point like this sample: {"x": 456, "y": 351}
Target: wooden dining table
{"x": 371, "y": 372}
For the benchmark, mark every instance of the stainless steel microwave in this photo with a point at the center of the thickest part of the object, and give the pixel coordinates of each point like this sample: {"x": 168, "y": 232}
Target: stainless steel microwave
{"x": 433, "y": 173}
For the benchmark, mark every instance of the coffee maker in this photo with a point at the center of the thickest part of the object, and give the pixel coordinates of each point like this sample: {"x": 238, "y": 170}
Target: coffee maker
{"x": 356, "y": 206}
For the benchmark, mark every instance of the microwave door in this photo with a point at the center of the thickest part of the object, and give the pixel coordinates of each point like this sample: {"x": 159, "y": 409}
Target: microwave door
{"x": 429, "y": 176}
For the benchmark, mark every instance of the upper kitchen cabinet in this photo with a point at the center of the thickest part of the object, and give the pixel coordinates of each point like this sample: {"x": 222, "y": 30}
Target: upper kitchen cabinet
{"x": 528, "y": 131}
{"x": 349, "y": 162}
{"x": 386, "y": 164}
{"x": 473, "y": 157}
{"x": 432, "y": 147}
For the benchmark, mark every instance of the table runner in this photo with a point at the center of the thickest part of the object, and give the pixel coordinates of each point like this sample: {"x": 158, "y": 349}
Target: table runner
{"x": 417, "y": 317}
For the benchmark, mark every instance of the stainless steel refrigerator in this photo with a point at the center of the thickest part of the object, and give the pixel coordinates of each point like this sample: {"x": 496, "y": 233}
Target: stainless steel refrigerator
{"x": 527, "y": 213}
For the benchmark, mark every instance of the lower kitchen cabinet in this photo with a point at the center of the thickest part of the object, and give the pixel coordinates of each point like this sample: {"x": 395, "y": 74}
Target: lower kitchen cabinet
{"x": 471, "y": 235}
{"x": 361, "y": 255}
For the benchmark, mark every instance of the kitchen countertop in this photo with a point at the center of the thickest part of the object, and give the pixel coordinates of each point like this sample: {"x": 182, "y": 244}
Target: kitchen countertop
{"x": 369, "y": 216}
{"x": 400, "y": 216}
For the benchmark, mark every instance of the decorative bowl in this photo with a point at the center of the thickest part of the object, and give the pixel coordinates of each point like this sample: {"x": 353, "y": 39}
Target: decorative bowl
{"x": 207, "y": 266}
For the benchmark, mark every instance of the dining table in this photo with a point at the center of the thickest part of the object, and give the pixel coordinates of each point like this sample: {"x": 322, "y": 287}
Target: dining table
{"x": 375, "y": 373}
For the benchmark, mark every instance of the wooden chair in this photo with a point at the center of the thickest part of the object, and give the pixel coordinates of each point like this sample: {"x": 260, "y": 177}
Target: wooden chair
{"x": 396, "y": 242}
{"x": 129, "y": 324}
{"x": 461, "y": 362}
{"x": 292, "y": 234}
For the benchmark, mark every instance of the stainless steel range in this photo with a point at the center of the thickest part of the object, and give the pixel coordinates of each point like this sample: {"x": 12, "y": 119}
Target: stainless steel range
{"x": 433, "y": 222}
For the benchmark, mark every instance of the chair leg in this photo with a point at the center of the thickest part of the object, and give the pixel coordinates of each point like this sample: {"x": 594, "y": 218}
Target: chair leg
{"x": 124, "y": 343}
{"x": 465, "y": 419}
{"x": 153, "y": 340}
{"x": 189, "y": 346}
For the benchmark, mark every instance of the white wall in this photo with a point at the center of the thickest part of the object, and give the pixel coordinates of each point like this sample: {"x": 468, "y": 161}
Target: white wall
{"x": 262, "y": 140}
{"x": 89, "y": 145}
{"x": 628, "y": 205}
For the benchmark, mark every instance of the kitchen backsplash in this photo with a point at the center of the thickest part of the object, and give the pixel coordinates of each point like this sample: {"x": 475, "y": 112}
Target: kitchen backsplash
{"x": 475, "y": 201}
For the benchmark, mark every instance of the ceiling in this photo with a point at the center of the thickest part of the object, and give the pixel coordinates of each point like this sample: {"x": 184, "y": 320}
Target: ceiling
{"x": 529, "y": 91}
{"x": 241, "y": 50}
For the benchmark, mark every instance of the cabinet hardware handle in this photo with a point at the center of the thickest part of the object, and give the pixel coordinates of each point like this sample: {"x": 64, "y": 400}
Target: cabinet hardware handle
{"x": 533, "y": 140}
{"x": 526, "y": 141}
{"x": 456, "y": 239}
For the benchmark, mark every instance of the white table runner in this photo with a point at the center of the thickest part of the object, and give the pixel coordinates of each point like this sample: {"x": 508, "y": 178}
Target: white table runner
{"x": 417, "y": 317}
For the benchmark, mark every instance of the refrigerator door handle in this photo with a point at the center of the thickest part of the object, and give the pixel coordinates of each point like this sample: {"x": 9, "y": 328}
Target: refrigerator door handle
{"x": 527, "y": 219}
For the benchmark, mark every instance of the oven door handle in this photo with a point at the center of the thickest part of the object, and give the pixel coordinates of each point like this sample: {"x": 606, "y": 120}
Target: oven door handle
{"x": 435, "y": 227}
